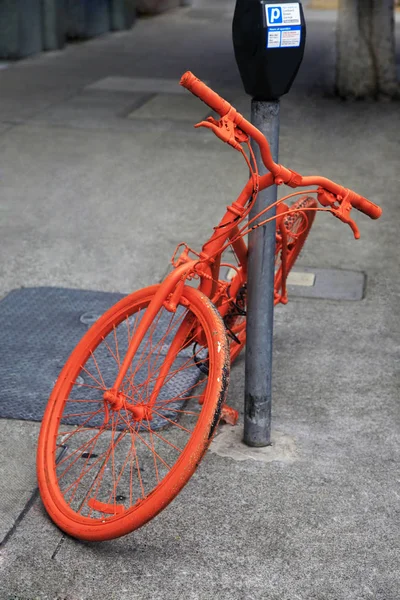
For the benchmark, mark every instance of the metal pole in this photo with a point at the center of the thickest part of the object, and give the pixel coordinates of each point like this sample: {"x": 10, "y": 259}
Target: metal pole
{"x": 260, "y": 292}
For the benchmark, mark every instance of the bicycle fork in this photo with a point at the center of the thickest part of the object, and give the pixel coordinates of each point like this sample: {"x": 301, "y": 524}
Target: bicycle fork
{"x": 167, "y": 296}
{"x": 116, "y": 398}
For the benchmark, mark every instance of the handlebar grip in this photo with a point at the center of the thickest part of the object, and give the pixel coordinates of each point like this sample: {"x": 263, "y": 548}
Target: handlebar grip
{"x": 366, "y": 206}
{"x": 207, "y": 95}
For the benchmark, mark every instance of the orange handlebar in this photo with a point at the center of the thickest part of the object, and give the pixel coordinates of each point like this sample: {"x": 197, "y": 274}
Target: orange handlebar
{"x": 222, "y": 107}
{"x": 202, "y": 91}
{"x": 366, "y": 206}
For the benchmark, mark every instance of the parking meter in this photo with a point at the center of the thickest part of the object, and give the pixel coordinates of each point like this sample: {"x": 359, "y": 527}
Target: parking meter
{"x": 269, "y": 39}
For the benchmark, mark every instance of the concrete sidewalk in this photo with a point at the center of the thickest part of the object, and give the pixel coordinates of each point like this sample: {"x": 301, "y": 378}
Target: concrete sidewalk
{"x": 102, "y": 174}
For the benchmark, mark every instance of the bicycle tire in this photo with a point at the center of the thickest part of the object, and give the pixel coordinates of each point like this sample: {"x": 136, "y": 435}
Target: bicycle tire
{"x": 84, "y": 480}
{"x": 293, "y": 223}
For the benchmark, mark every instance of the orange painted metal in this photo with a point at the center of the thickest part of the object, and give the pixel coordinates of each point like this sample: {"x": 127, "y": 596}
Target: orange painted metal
{"x": 85, "y": 510}
{"x": 280, "y": 173}
{"x": 229, "y": 415}
{"x": 210, "y": 313}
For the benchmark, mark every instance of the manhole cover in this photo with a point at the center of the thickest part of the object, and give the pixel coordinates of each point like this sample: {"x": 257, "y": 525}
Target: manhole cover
{"x": 40, "y": 328}
{"x": 329, "y": 284}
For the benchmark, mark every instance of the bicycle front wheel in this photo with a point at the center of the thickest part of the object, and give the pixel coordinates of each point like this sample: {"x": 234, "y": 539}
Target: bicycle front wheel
{"x": 104, "y": 471}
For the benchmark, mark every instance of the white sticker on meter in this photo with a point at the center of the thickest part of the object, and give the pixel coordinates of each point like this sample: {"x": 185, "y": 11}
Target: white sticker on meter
{"x": 284, "y": 25}
{"x": 274, "y": 39}
{"x": 283, "y": 14}
{"x": 290, "y": 38}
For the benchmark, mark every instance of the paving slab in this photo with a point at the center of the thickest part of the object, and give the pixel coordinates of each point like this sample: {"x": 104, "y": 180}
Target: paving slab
{"x": 146, "y": 85}
{"x": 83, "y": 213}
{"x": 92, "y": 109}
{"x": 4, "y": 127}
{"x": 329, "y": 284}
{"x": 323, "y": 525}
{"x": 171, "y": 107}
{"x": 18, "y": 442}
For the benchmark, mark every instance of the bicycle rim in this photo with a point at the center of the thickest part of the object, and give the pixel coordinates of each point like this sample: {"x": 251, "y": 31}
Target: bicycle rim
{"x": 103, "y": 473}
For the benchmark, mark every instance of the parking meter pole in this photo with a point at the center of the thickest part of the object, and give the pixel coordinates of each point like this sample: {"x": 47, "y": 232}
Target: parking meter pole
{"x": 260, "y": 292}
{"x": 269, "y": 38}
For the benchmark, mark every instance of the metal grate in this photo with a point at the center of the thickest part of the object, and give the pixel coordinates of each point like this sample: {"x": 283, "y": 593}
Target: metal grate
{"x": 39, "y": 329}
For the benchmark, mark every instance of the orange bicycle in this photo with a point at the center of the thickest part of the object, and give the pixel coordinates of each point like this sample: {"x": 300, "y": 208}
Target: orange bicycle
{"x": 139, "y": 399}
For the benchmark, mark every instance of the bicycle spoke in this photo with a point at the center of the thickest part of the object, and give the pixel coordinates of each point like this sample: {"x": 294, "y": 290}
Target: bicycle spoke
{"x": 110, "y": 457}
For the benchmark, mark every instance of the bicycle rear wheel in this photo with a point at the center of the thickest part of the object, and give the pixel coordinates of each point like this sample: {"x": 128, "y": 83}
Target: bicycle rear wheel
{"x": 102, "y": 470}
{"x": 297, "y": 226}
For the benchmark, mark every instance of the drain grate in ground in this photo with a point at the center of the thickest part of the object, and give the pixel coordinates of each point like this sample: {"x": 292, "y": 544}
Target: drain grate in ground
{"x": 328, "y": 284}
{"x": 39, "y": 329}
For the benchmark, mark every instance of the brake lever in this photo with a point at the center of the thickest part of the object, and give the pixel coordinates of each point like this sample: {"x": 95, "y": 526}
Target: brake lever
{"x": 225, "y": 129}
{"x": 209, "y": 123}
{"x": 342, "y": 211}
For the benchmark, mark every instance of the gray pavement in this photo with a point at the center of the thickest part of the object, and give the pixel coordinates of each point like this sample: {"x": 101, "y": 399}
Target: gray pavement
{"x": 101, "y": 177}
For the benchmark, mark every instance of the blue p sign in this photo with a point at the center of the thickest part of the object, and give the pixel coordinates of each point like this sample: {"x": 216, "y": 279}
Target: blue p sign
{"x": 274, "y": 15}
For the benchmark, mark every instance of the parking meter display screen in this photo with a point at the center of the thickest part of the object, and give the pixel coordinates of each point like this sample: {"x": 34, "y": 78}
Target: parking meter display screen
{"x": 284, "y": 25}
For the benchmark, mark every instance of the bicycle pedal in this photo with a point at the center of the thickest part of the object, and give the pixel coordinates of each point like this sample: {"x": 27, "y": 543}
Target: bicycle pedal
{"x": 229, "y": 415}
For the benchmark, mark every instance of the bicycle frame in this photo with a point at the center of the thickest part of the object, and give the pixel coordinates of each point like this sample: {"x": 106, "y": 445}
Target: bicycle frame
{"x": 207, "y": 268}
{"x": 233, "y": 129}
{"x": 177, "y": 352}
